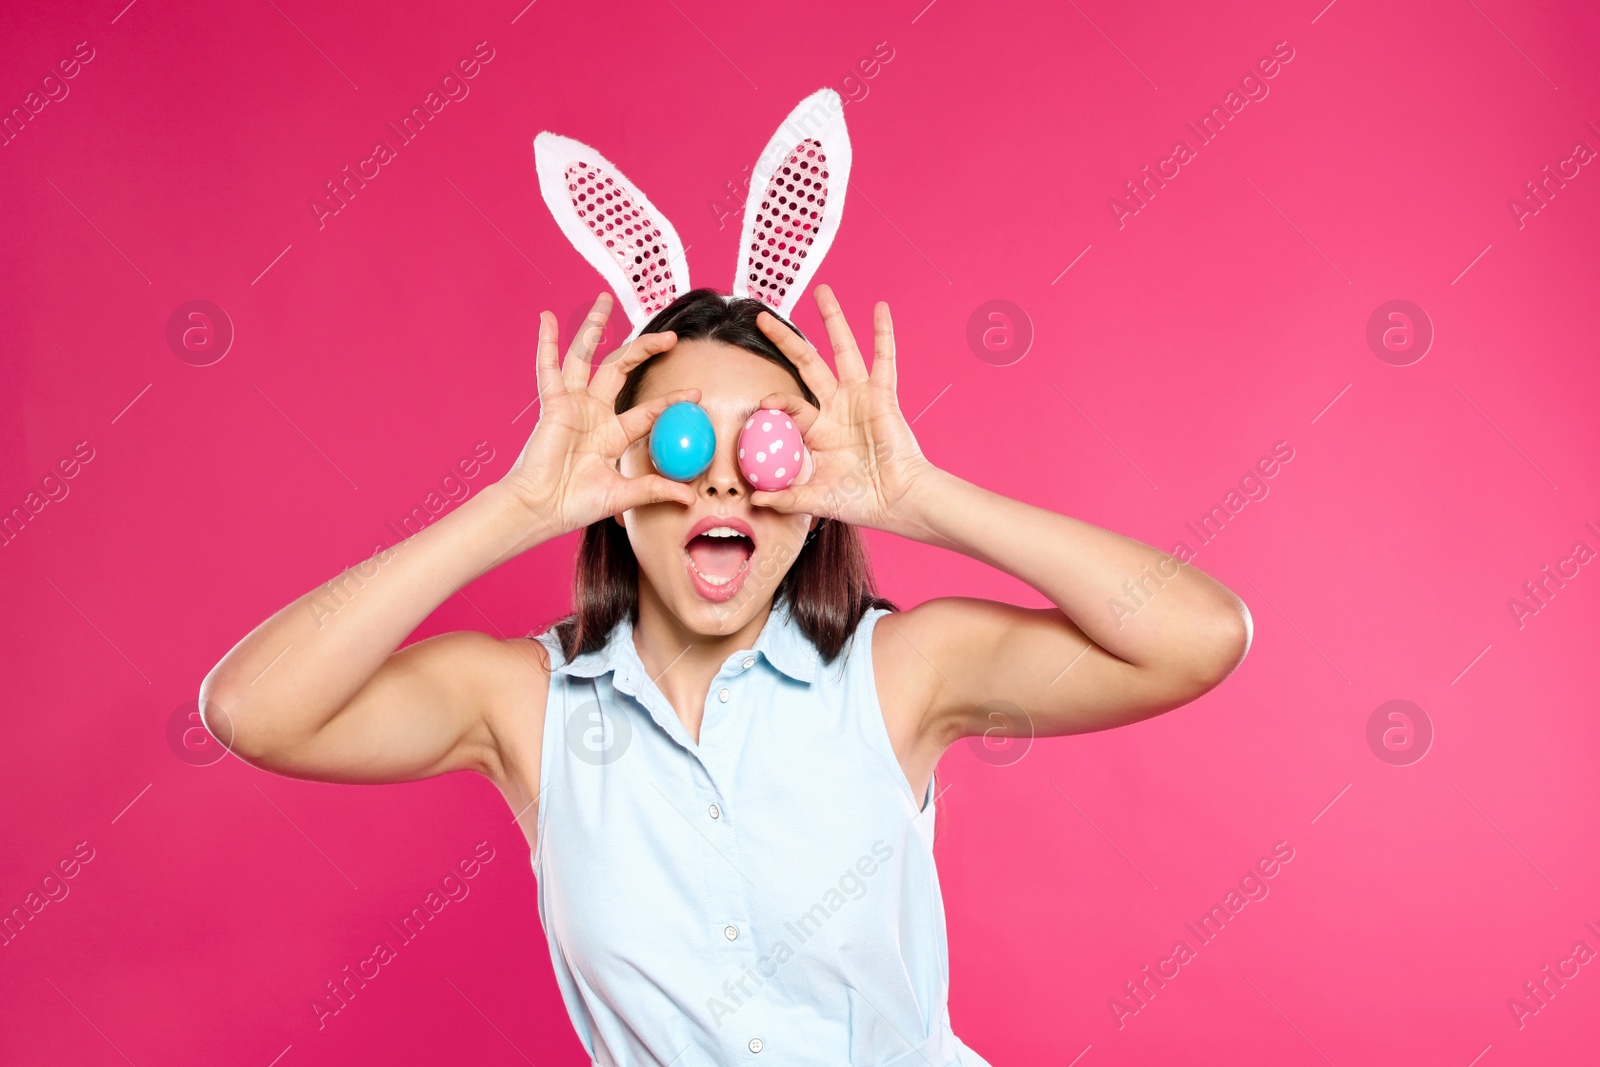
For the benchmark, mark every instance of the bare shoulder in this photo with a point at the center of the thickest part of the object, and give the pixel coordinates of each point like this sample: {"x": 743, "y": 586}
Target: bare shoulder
{"x": 518, "y": 670}
{"x": 913, "y": 644}
{"x": 923, "y": 658}
{"x": 519, "y": 673}
{"x": 906, "y": 649}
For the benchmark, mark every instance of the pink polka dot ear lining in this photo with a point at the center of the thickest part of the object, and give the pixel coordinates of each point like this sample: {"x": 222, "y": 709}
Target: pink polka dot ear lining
{"x": 791, "y": 215}
{"x": 770, "y": 452}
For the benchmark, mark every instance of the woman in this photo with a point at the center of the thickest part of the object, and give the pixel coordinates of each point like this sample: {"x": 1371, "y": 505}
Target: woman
{"x": 723, "y": 760}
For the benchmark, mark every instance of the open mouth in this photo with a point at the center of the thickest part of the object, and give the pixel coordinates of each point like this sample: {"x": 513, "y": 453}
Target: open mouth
{"x": 717, "y": 554}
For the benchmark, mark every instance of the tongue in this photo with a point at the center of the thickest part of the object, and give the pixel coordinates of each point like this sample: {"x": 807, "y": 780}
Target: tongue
{"x": 719, "y": 556}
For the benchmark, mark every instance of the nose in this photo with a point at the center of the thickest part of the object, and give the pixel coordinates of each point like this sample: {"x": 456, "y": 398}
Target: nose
{"x": 722, "y": 480}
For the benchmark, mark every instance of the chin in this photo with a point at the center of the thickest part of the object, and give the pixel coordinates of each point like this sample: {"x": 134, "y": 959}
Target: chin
{"x": 713, "y": 609}
{"x": 724, "y": 609}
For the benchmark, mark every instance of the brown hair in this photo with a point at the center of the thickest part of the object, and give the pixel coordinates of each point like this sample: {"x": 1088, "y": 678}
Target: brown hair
{"x": 830, "y": 585}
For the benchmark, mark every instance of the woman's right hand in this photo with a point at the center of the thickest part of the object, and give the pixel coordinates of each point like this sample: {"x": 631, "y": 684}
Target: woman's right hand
{"x": 567, "y": 475}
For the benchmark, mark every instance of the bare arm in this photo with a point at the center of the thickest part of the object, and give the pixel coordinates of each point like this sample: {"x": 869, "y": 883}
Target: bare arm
{"x": 319, "y": 691}
{"x": 1134, "y": 632}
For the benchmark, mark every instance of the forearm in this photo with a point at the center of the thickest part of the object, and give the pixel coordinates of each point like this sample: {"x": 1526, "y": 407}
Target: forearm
{"x": 1133, "y": 600}
{"x": 291, "y": 674}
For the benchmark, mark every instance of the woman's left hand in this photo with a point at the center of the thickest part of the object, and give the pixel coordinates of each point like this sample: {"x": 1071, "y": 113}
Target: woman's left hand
{"x": 866, "y": 460}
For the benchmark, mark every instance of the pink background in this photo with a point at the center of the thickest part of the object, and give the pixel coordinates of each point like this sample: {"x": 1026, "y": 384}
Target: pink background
{"x": 1227, "y": 315}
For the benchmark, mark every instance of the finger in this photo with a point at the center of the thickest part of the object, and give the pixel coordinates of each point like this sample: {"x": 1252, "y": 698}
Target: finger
{"x": 652, "y": 489}
{"x": 616, "y": 367}
{"x": 795, "y": 407}
{"x": 592, "y": 328}
{"x": 795, "y": 500}
{"x": 846, "y": 356}
{"x": 883, "y": 354}
{"x": 637, "y": 420}
{"x": 547, "y": 361}
{"x": 575, "y": 371}
{"x": 813, "y": 371}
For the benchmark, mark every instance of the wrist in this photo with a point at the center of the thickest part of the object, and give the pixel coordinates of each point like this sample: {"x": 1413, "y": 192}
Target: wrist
{"x": 926, "y": 504}
{"x": 511, "y": 524}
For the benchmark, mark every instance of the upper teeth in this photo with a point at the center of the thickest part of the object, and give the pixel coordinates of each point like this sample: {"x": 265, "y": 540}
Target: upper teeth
{"x": 721, "y": 531}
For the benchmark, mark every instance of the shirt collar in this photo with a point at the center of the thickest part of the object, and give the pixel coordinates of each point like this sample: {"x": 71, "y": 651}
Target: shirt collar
{"x": 781, "y": 643}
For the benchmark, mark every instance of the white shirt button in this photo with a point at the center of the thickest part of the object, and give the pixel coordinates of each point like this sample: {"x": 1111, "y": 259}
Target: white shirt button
{"x": 723, "y": 696}
{"x": 730, "y": 932}
{"x": 750, "y": 661}
{"x": 756, "y": 1045}
{"x": 716, "y": 812}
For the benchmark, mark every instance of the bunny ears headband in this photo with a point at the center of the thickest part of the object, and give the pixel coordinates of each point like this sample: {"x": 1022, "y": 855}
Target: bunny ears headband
{"x": 791, "y": 214}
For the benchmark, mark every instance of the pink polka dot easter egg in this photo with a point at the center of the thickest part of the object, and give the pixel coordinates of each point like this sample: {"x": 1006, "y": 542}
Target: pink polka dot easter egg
{"x": 770, "y": 452}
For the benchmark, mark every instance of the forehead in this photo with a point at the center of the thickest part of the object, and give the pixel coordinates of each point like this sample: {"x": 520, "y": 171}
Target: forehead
{"x": 731, "y": 379}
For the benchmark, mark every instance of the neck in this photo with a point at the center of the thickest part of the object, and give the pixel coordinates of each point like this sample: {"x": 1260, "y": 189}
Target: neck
{"x": 682, "y": 662}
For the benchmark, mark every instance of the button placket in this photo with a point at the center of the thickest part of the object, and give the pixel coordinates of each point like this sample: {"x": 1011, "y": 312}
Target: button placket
{"x": 726, "y": 722}
{"x": 727, "y": 885}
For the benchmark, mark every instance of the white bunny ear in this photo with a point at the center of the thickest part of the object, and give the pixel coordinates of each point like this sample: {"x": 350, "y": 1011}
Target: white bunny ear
{"x": 796, "y": 200}
{"x": 613, "y": 225}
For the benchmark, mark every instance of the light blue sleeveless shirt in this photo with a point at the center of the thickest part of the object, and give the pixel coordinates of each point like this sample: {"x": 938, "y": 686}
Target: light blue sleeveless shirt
{"x": 766, "y": 896}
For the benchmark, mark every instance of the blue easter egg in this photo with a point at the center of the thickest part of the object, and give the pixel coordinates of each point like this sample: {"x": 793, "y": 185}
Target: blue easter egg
{"x": 682, "y": 442}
